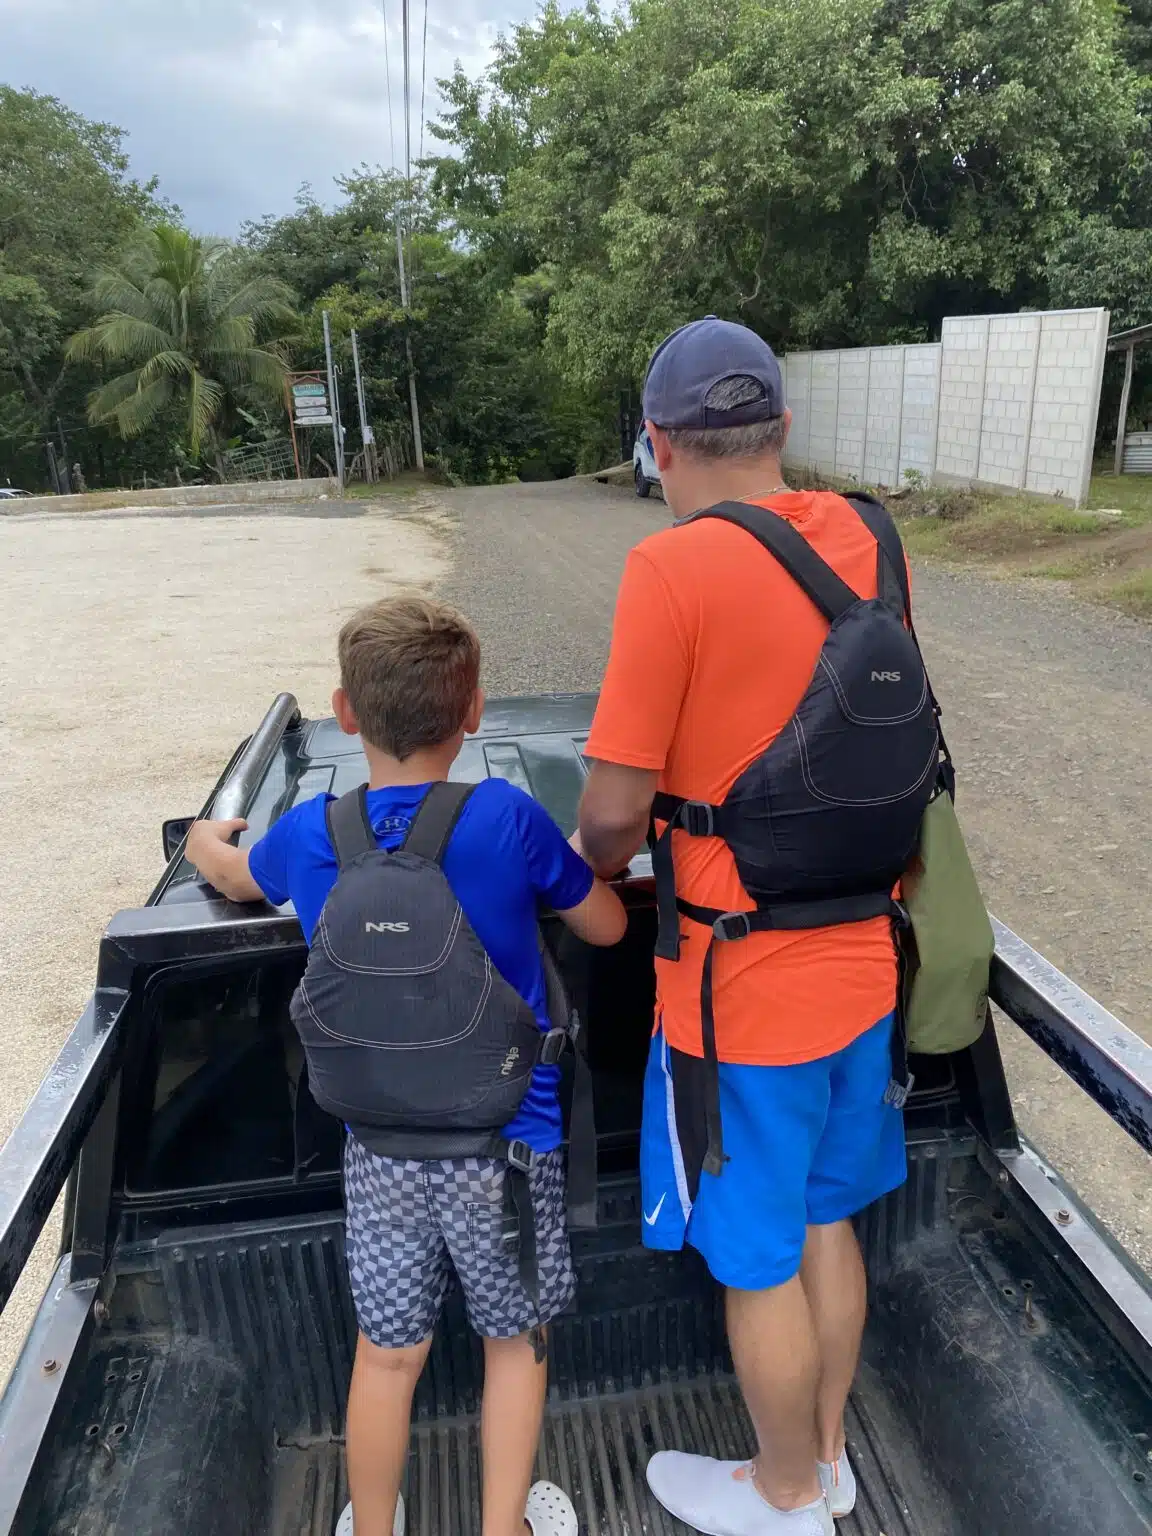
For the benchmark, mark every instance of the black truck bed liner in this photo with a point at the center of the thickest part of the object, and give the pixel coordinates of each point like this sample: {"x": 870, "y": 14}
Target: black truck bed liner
{"x": 597, "y": 1451}
{"x": 989, "y": 1399}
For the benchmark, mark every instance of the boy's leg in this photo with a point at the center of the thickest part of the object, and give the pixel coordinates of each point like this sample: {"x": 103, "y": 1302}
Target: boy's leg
{"x": 470, "y": 1201}
{"x": 515, "y": 1384}
{"x": 399, "y": 1270}
{"x": 378, "y": 1430}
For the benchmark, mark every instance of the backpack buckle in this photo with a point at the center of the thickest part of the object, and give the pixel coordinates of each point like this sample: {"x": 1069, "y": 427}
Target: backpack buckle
{"x": 697, "y": 819}
{"x": 732, "y": 925}
{"x": 552, "y": 1047}
{"x": 520, "y": 1156}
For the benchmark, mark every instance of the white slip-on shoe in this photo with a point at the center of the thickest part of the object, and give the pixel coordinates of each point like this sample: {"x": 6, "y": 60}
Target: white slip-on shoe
{"x": 720, "y": 1498}
{"x": 344, "y": 1524}
{"x": 550, "y": 1512}
{"x": 839, "y": 1484}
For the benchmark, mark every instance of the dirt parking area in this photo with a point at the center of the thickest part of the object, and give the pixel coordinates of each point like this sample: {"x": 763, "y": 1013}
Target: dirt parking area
{"x": 138, "y": 650}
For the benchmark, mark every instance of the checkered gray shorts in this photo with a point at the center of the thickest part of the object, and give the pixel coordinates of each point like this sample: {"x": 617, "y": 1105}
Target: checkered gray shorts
{"x": 410, "y": 1224}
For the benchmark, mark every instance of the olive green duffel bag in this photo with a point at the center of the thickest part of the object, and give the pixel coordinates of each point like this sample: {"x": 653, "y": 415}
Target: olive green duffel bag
{"x": 948, "y": 943}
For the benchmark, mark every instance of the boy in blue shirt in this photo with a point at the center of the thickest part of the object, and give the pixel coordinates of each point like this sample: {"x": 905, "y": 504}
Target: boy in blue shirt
{"x": 409, "y": 685}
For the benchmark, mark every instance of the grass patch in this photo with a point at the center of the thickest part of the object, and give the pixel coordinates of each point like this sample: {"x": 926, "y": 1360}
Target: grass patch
{"x": 976, "y": 525}
{"x": 1107, "y": 559}
{"x": 1132, "y": 594}
{"x": 1132, "y": 494}
{"x": 405, "y": 484}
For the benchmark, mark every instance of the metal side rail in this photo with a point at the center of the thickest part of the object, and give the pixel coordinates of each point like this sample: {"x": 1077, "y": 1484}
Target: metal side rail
{"x": 1107, "y": 1059}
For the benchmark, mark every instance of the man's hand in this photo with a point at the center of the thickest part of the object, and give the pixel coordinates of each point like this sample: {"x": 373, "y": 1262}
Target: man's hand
{"x": 225, "y": 867}
{"x": 575, "y": 843}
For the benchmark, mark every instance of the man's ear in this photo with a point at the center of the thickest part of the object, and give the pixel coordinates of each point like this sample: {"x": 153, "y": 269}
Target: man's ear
{"x": 345, "y": 714}
{"x": 476, "y": 709}
{"x": 787, "y": 429}
{"x": 661, "y": 447}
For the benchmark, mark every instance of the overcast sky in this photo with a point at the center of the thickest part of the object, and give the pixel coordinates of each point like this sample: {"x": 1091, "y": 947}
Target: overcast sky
{"x": 234, "y": 103}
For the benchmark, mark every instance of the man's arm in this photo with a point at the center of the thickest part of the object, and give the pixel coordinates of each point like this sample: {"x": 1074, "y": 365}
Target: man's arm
{"x": 224, "y": 866}
{"x": 636, "y": 717}
{"x": 614, "y": 813}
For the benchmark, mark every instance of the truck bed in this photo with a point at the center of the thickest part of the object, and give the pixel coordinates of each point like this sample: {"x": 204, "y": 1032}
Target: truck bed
{"x": 214, "y": 1395}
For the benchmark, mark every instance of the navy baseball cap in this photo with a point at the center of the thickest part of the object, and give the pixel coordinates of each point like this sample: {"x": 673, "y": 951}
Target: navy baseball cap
{"x": 687, "y": 365}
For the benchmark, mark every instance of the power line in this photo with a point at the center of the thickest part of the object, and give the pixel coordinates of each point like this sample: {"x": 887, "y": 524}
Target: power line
{"x": 388, "y": 85}
{"x": 423, "y": 77}
{"x": 407, "y": 96}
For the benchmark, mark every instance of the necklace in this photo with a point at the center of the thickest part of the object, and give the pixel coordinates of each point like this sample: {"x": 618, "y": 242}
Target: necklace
{"x": 756, "y": 495}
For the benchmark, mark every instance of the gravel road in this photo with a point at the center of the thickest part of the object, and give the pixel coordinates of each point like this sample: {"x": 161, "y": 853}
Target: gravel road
{"x": 140, "y": 647}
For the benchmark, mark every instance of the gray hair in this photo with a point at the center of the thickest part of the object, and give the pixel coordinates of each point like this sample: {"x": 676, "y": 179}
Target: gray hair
{"x": 732, "y": 442}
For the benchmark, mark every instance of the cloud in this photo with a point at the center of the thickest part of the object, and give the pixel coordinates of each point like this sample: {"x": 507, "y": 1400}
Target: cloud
{"x": 235, "y": 103}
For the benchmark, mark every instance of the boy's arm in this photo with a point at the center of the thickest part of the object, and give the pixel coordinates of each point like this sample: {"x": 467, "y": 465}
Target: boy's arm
{"x": 561, "y": 878}
{"x": 224, "y": 866}
{"x": 599, "y": 919}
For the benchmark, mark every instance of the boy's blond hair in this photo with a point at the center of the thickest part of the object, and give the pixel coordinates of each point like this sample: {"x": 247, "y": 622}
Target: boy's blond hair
{"x": 410, "y": 668}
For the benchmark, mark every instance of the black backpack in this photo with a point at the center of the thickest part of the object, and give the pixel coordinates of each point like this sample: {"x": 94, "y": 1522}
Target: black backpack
{"x": 411, "y": 1035}
{"x": 823, "y": 823}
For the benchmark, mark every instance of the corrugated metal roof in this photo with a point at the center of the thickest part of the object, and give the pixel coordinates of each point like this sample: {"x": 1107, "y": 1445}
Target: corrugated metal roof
{"x": 1138, "y": 453}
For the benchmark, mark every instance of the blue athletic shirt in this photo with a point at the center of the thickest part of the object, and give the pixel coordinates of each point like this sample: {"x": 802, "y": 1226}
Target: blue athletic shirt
{"x": 506, "y": 855}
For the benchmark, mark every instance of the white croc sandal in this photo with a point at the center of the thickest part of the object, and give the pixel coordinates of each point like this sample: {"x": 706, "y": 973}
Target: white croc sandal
{"x": 550, "y": 1512}
{"x": 344, "y": 1524}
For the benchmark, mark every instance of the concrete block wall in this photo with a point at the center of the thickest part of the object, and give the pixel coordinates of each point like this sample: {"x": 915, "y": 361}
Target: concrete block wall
{"x": 919, "y": 409}
{"x": 1070, "y": 366}
{"x": 885, "y": 396}
{"x": 1000, "y": 400}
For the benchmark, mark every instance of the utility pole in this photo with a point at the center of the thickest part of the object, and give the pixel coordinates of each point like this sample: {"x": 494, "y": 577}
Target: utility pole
{"x": 417, "y": 441}
{"x": 333, "y": 407}
{"x": 366, "y": 436}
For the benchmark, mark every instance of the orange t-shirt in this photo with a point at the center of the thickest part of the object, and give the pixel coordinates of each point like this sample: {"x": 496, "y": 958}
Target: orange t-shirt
{"x": 713, "y": 647}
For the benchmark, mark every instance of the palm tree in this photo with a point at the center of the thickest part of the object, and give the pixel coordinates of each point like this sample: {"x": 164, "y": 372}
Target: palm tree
{"x": 194, "y": 326}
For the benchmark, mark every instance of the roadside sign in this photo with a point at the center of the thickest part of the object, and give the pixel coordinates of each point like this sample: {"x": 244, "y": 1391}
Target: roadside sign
{"x": 310, "y": 404}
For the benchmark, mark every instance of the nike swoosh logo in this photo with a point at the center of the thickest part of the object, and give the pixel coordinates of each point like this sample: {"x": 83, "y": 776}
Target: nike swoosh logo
{"x": 651, "y": 1220}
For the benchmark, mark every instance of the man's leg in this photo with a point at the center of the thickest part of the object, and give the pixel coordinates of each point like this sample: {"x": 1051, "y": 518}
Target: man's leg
{"x": 832, "y": 1275}
{"x": 510, "y": 1419}
{"x": 775, "y": 1351}
{"x": 378, "y": 1428}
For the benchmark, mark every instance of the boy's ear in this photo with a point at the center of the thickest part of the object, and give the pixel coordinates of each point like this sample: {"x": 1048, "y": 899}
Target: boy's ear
{"x": 472, "y": 719}
{"x": 345, "y": 714}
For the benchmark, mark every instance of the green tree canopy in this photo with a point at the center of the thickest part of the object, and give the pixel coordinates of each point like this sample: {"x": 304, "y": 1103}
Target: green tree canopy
{"x": 493, "y": 403}
{"x": 67, "y": 202}
{"x": 195, "y": 326}
{"x": 829, "y": 172}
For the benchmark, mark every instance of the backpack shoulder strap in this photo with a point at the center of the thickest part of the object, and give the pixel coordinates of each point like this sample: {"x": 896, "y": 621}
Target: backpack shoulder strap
{"x": 814, "y": 576}
{"x": 349, "y": 828}
{"x": 891, "y": 566}
{"x": 435, "y": 820}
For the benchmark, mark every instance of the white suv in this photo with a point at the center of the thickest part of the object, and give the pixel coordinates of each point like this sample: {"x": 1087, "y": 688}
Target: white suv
{"x": 644, "y": 463}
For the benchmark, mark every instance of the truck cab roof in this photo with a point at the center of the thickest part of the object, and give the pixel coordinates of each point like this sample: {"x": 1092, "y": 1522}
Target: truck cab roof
{"x": 535, "y": 743}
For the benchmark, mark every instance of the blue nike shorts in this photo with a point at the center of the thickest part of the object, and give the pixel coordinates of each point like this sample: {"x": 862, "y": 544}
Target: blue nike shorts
{"x": 807, "y": 1145}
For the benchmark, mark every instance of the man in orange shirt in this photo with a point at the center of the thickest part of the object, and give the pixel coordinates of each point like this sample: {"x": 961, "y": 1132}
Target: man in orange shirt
{"x": 714, "y": 646}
